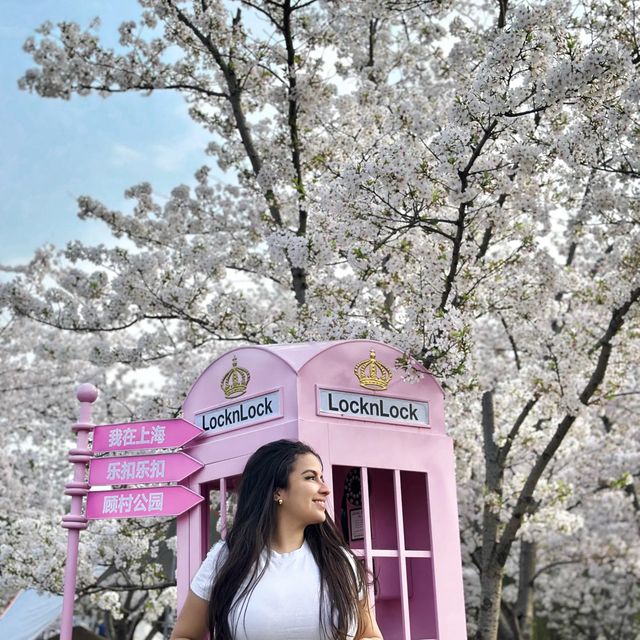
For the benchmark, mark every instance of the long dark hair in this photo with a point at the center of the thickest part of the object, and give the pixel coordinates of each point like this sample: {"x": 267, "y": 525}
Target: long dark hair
{"x": 342, "y": 579}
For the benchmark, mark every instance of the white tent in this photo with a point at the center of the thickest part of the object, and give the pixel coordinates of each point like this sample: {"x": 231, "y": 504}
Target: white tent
{"x": 29, "y": 615}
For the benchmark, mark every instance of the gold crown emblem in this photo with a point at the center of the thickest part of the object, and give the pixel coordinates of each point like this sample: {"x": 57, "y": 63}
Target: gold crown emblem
{"x": 235, "y": 381}
{"x": 372, "y": 374}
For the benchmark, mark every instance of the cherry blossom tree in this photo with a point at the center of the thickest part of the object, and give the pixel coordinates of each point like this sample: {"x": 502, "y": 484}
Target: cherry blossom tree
{"x": 121, "y": 568}
{"x": 458, "y": 180}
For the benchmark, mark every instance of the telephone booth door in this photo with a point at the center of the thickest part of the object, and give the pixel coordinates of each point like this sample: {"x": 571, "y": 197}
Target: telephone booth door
{"x": 383, "y": 514}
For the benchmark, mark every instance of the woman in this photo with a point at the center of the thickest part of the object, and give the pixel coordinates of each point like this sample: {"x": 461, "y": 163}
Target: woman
{"x": 284, "y": 571}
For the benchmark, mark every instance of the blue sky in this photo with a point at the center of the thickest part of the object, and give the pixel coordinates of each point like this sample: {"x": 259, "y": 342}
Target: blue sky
{"x": 54, "y": 150}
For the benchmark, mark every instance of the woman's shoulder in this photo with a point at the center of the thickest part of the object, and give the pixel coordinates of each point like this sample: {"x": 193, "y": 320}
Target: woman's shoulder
{"x": 203, "y": 579}
{"x": 217, "y": 547}
{"x": 217, "y": 552}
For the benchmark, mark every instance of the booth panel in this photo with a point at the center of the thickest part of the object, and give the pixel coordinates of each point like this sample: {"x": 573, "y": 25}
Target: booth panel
{"x": 333, "y": 369}
{"x": 383, "y": 446}
{"x": 415, "y": 510}
{"x": 445, "y": 550}
{"x": 257, "y": 370}
{"x": 388, "y": 604}
{"x": 422, "y": 609}
{"x": 198, "y": 517}
{"x": 384, "y": 533}
{"x": 241, "y": 442}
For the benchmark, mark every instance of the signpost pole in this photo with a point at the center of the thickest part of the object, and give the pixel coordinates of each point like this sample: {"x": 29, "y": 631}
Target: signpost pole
{"x": 74, "y": 521}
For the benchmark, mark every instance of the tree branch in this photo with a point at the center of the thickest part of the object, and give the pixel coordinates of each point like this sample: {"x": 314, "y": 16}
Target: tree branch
{"x": 502, "y": 16}
{"x": 87, "y": 591}
{"x": 506, "y": 447}
{"x": 299, "y": 275}
{"x": 525, "y": 502}
{"x": 234, "y": 98}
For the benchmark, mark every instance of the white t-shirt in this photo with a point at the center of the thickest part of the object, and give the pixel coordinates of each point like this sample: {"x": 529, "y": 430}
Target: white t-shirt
{"x": 285, "y": 603}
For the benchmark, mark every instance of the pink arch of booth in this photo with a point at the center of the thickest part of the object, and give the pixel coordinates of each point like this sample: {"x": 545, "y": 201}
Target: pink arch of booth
{"x": 406, "y": 526}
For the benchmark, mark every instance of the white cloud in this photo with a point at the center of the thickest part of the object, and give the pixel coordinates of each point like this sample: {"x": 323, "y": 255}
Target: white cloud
{"x": 122, "y": 155}
{"x": 178, "y": 154}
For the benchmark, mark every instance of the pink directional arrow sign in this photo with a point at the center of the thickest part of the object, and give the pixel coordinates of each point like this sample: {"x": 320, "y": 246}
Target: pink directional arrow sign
{"x": 162, "y": 467}
{"x": 141, "y": 503}
{"x": 149, "y": 434}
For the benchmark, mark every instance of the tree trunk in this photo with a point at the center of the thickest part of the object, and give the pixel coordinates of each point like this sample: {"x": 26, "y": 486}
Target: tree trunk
{"x": 491, "y": 589}
{"x": 524, "y": 604}
{"x": 491, "y": 572}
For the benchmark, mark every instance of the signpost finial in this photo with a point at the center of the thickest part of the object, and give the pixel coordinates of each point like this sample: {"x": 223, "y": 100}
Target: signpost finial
{"x": 86, "y": 392}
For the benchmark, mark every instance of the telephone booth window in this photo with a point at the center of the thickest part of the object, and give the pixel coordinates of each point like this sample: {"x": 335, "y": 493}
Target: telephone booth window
{"x": 388, "y": 600}
{"x": 384, "y": 534}
{"x": 348, "y": 505}
{"x": 415, "y": 511}
{"x": 221, "y": 503}
{"x": 422, "y": 614}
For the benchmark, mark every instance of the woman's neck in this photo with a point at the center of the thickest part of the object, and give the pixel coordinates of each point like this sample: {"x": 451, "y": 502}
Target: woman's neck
{"x": 287, "y": 538}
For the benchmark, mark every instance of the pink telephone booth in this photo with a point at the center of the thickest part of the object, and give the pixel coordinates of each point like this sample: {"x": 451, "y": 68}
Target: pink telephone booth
{"x": 387, "y": 460}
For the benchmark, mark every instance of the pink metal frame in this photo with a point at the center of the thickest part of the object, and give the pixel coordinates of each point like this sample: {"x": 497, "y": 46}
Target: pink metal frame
{"x": 74, "y": 521}
{"x": 223, "y": 507}
{"x": 402, "y": 555}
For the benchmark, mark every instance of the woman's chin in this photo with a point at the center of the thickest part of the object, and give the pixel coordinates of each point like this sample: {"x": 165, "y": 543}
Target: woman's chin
{"x": 318, "y": 518}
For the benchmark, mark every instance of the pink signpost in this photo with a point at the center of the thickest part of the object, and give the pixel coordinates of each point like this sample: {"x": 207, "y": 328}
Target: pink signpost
{"x": 74, "y": 521}
{"x": 136, "y": 502}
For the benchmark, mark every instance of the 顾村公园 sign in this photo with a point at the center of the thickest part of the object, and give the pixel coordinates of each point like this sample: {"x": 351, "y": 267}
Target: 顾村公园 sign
{"x": 140, "y": 503}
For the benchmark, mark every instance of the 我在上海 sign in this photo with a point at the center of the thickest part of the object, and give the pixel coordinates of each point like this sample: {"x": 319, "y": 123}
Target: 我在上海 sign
{"x": 171, "y": 433}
